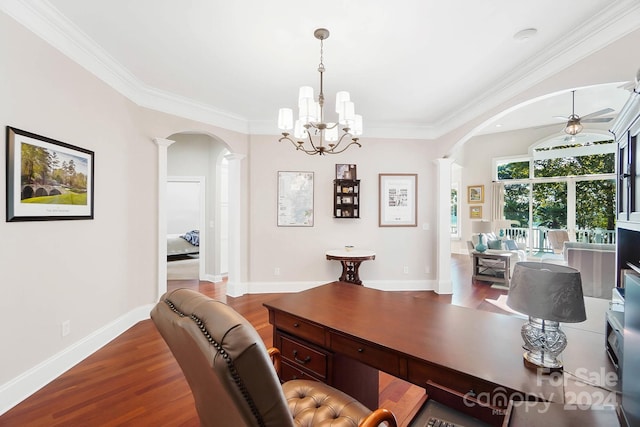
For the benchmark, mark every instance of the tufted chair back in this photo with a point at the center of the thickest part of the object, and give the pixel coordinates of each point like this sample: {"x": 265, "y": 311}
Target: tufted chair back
{"x": 233, "y": 379}
{"x": 224, "y": 360}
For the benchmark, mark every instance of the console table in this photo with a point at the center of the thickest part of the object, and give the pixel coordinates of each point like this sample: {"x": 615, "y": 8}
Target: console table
{"x": 350, "y": 261}
{"x": 493, "y": 267}
{"x": 343, "y": 334}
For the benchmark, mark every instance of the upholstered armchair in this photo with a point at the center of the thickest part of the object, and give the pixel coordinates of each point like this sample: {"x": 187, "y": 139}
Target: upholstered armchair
{"x": 233, "y": 376}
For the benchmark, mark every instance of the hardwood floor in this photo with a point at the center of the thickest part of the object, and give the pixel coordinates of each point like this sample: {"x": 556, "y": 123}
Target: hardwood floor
{"x": 135, "y": 381}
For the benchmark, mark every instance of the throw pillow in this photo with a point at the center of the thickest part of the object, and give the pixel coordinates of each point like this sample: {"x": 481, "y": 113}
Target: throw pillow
{"x": 511, "y": 245}
{"x": 494, "y": 244}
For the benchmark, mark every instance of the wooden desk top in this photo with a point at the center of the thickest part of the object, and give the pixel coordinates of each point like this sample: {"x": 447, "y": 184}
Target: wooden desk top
{"x": 471, "y": 342}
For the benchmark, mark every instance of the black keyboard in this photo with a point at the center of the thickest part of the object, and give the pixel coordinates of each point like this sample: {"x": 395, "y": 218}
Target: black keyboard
{"x": 437, "y": 422}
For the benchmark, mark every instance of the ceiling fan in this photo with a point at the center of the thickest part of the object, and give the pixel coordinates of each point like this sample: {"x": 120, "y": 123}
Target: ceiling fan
{"x": 574, "y": 121}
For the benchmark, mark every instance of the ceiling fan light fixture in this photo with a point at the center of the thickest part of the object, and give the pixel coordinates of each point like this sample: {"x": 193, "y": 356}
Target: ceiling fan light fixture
{"x": 574, "y": 126}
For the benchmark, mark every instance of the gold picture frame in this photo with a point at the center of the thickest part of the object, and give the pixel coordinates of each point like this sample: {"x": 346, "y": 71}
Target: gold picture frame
{"x": 475, "y": 212}
{"x": 475, "y": 193}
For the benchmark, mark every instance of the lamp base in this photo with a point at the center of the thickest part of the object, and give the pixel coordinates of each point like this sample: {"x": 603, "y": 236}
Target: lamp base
{"x": 543, "y": 342}
{"x": 480, "y": 247}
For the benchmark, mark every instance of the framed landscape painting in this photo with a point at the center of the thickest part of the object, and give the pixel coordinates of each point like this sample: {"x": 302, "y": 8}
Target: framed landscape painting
{"x": 47, "y": 179}
{"x": 475, "y": 193}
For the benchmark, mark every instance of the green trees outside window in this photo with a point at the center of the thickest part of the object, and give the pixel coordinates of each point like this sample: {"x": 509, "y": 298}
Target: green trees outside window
{"x": 594, "y": 196}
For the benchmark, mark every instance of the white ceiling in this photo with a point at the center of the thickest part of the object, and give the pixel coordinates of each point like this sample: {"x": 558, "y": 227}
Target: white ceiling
{"x": 419, "y": 67}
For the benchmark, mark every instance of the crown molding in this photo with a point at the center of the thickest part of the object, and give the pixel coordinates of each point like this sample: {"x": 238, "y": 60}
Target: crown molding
{"x": 44, "y": 20}
{"x": 611, "y": 24}
{"x": 49, "y": 24}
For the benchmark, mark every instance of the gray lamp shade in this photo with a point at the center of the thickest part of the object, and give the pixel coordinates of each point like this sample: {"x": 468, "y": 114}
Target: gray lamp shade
{"x": 547, "y": 291}
{"x": 481, "y": 227}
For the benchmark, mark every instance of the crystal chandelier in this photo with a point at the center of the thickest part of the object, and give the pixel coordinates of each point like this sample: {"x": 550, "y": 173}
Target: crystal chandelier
{"x": 310, "y": 131}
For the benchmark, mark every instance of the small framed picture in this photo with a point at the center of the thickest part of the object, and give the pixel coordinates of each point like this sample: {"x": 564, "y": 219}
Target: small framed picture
{"x": 475, "y": 193}
{"x": 475, "y": 212}
{"x": 344, "y": 171}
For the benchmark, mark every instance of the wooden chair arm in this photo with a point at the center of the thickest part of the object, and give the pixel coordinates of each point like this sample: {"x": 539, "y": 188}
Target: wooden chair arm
{"x": 378, "y": 416}
{"x": 275, "y": 356}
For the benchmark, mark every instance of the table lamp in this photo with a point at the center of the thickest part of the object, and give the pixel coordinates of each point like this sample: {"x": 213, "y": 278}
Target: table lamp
{"x": 548, "y": 294}
{"x": 481, "y": 227}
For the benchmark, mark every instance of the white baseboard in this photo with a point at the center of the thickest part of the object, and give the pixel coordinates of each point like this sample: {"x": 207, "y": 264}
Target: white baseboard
{"x": 32, "y": 380}
{"x": 383, "y": 285}
{"x": 16, "y": 390}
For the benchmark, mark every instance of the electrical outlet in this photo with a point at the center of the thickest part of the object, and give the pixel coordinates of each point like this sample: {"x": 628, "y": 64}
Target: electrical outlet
{"x": 66, "y": 328}
{"x": 406, "y": 269}
{"x": 276, "y": 271}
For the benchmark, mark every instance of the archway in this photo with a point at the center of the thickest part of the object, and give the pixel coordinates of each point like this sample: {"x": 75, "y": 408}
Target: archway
{"x": 173, "y": 159}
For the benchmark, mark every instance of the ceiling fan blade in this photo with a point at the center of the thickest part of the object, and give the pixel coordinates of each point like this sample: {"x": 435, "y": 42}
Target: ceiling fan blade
{"x": 598, "y": 113}
{"x": 546, "y": 126}
{"x": 597, "y": 120}
{"x": 561, "y": 117}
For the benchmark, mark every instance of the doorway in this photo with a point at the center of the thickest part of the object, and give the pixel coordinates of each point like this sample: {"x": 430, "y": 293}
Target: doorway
{"x": 186, "y": 228}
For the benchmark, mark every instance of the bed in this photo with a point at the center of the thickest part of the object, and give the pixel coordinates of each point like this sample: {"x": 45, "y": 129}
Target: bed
{"x": 179, "y": 245}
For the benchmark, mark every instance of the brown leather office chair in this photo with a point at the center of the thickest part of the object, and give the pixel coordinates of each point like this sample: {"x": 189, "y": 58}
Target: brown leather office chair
{"x": 232, "y": 375}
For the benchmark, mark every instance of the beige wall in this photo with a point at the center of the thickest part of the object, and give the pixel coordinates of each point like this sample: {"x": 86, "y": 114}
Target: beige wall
{"x": 91, "y": 271}
{"x": 299, "y": 251}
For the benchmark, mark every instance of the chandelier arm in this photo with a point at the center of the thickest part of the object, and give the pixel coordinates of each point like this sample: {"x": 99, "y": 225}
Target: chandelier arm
{"x": 341, "y": 139}
{"x": 301, "y": 147}
{"x": 354, "y": 141}
{"x": 286, "y": 136}
{"x": 311, "y": 142}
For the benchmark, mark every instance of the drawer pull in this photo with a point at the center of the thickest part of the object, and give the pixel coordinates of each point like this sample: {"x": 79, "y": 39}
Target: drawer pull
{"x": 360, "y": 350}
{"x": 296, "y": 325}
{"x": 300, "y": 361}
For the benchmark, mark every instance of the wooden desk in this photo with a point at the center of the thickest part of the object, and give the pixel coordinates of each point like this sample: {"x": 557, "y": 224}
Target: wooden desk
{"x": 325, "y": 332}
{"x": 350, "y": 261}
{"x": 542, "y": 414}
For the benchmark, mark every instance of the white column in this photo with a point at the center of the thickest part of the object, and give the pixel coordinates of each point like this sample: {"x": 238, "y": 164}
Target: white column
{"x": 571, "y": 206}
{"x": 163, "y": 145}
{"x": 235, "y": 286}
{"x": 443, "y": 228}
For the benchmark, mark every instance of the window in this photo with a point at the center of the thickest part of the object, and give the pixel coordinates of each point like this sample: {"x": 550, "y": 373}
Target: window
{"x": 455, "y": 200}
{"x": 564, "y": 184}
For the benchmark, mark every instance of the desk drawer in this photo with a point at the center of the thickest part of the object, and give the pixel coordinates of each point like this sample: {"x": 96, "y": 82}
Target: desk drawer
{"x": 304, "y": 357}
{"x": 420, "y": 372}
{"x": 299, "y": 327}
{"x": 289, "y": 372}
{"x": 368, "y": 354}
